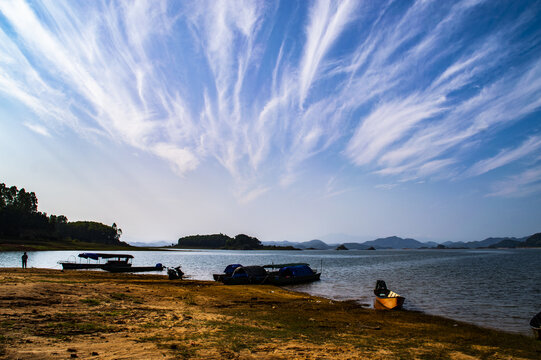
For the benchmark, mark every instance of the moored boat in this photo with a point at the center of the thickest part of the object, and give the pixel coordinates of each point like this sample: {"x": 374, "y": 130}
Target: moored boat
{"x": 244, "y": 275}
{"x": 227, "y": 272}
{"x": 94, "y": 261}
{"x": 294, "y": 274}
{"x": 131, "y": 269}
{"x": 385, "y": 298}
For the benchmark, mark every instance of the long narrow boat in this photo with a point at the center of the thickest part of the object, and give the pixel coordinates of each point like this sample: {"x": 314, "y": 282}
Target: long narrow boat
{"x": 94, "y": 261}
{"x": 386, "y": 299}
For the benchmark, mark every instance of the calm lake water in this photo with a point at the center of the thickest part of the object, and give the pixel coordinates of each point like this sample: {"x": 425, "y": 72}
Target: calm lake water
{"x": 500, "y": 289}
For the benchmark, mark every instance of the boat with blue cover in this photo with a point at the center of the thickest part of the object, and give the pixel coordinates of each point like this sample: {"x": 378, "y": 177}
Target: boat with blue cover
{"x": 276, "y": 274}
{"x": 244, "y": 275}
{"x": 294, "y": 274}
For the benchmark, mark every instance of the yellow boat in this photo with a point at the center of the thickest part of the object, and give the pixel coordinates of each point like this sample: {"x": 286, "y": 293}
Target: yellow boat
{"x": 392, "y": 303}
{"x": 386, "y": 299}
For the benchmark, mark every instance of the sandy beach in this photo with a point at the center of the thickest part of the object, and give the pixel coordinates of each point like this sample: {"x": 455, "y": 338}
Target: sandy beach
{"x": 52, "y": 314}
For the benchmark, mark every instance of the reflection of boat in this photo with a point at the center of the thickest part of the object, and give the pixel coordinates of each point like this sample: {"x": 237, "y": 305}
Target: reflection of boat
{"x": 293, "y": 274}
{"x": 386, "y": 299}
{"x": 93, "y": 261}
{"x": 243, "y": 275}
{"x": 227, "y": 272}
{"x": 535, "y": 323}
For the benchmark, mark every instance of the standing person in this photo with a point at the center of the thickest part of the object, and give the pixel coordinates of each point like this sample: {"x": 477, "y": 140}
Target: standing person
{"x": 24, "y": 259}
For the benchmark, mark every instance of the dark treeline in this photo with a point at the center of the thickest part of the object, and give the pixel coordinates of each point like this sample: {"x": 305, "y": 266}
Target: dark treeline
{"x": 221, "y": 241}
{"x": 20, "y": 219}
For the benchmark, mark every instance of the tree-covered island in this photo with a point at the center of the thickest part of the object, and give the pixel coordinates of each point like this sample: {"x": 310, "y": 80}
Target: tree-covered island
{"x": 222, "y": 241}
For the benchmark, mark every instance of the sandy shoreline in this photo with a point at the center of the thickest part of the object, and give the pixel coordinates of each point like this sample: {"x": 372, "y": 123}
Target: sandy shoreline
{"x": 50, "y": 314}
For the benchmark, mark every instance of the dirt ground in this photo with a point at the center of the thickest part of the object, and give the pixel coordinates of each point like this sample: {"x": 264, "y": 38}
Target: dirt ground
{"x": 52, "y": 314}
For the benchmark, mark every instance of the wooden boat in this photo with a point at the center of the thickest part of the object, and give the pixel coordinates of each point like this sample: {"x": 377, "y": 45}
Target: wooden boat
{"x": 391, "y": 303}
{"x": 386, "y": 299}
{"x": 293, "y": 274}
{"x": 244, "y": 275}
{"x": 535, "y": 324}
{"x": 94, "y": 261}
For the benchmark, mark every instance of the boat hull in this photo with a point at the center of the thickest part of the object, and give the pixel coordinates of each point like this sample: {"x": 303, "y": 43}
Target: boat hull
{"x": 131, "y": 269}
{"x": 78, "y": 266}
{"x": 280, "y": 281}
{"x": 219, "y": 277}
{"x": 392, "y": 303}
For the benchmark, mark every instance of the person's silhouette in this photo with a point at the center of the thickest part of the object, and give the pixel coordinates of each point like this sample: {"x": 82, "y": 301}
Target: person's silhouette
{"x": 24, "y": 258}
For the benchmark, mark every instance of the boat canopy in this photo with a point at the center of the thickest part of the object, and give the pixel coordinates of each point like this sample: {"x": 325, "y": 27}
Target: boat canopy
{"x": 249, "y": 271}
{"x": 230, "y": 268}
{"x": 97, "y": 256}
{"x": 297, "y": 270}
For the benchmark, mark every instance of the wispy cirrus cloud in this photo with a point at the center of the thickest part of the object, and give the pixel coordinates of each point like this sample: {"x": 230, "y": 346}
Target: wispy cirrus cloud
{"x": 38, "y": 129}
{"x": 506, "y": 156}
{"x": 526, "y": 183}
{"x": 414, "y": 139}
{"x": 397, "y": 89}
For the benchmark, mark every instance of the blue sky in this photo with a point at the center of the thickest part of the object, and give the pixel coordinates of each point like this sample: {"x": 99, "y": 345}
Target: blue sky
{"x": 285, "y": 120}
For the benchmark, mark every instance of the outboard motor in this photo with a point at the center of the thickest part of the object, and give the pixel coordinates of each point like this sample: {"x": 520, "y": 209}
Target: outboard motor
{"x": 381, "y": 289}
{"x": 175, "y": 273}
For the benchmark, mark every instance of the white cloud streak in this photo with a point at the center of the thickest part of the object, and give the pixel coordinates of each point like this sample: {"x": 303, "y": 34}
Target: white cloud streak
{"x": 38, "y": 129}
{"x": 524, "y": 184}
{"x": 506, "y": 156}
{"x": 206, "y": 80}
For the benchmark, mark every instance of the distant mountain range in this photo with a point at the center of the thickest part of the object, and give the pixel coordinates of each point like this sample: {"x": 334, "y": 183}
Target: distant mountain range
{"x": 484, "y": 243}
{"x": 395, "y": 242}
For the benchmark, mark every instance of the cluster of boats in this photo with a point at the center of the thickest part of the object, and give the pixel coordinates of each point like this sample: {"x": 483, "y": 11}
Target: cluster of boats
{"x": 234, "y": 274}
{"x": 275, "y": 274}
